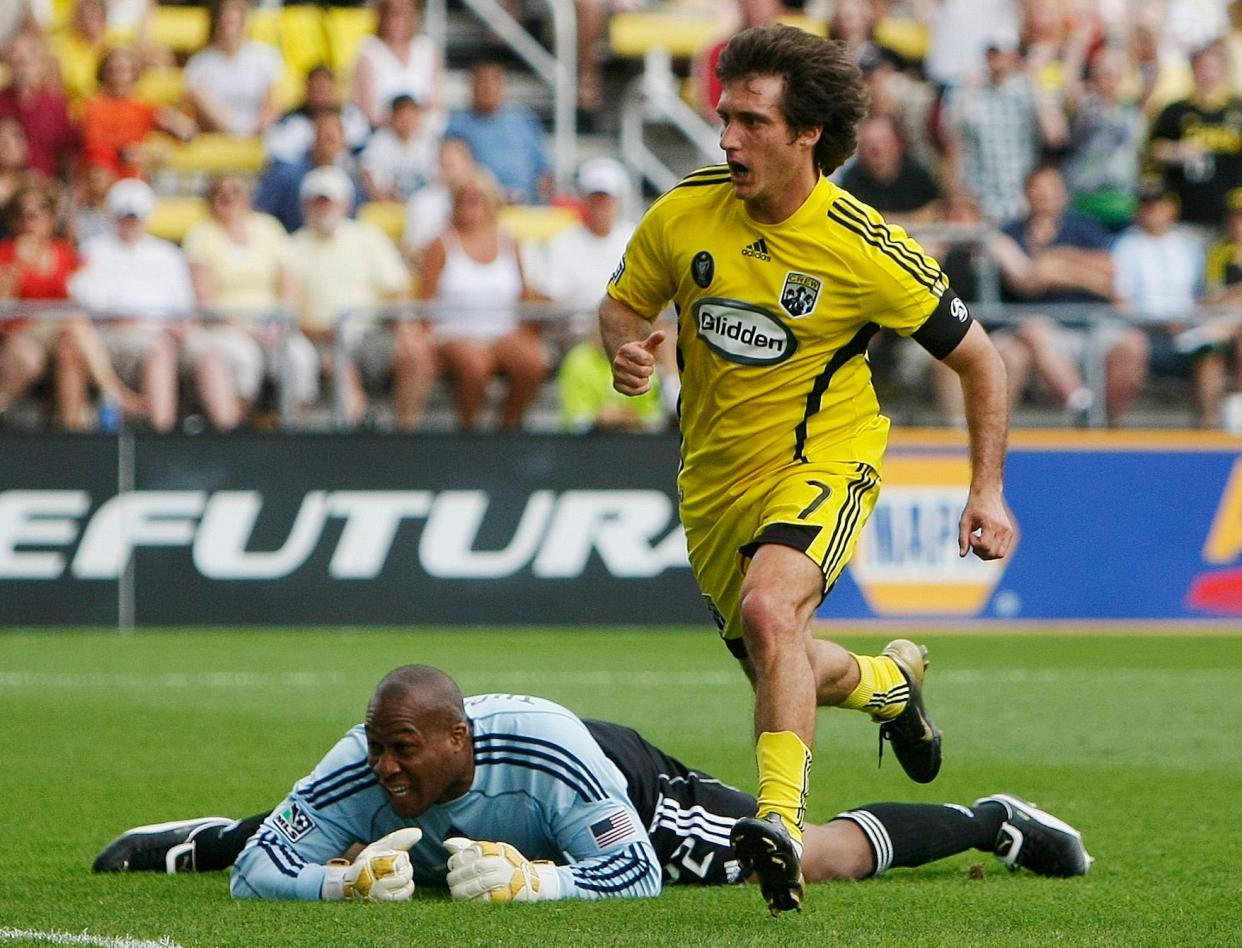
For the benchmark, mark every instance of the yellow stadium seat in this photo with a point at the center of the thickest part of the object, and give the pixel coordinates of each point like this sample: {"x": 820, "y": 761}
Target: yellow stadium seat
{"x": 388, "y": 216}
{"x": 535, "y": 223}
{"x": 263, "y": 24}
{"x": 303, "y": 38}
{"x": 347, "y": 27}
{"x": 173, "y": 216}
{"x": 217, "y": 154}
{"x": 179, "y": 29}
{"x": 631, "y": 34}
{"x": 905, "y": 37}
{"x": 161, "y": 86}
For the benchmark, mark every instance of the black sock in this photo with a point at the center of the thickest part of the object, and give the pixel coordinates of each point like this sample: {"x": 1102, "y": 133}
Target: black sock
{"x": 217, "y": 846}
{"x": 911, "y": 834}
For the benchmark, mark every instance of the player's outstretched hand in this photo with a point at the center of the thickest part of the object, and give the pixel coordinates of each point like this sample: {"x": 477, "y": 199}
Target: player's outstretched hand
{"x": 985, "y": 527}
{"x": 380, "y": 873}
{"x": 634, "y": 364}
{"x": 497, "y": 872}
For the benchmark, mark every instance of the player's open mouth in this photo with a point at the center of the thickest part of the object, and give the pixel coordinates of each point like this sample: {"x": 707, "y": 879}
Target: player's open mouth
{"x": 737, "y": 170}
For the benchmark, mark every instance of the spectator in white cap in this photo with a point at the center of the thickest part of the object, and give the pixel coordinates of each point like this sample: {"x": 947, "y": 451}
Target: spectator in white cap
{"x": 345, "y": 265}
{"x": 278, "y": 192}
{"x": 574, "y": 273}
{"x": 143, "y": 283}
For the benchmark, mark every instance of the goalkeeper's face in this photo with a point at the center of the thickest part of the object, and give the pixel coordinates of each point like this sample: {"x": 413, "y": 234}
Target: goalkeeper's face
{"x": 418, "y": 757}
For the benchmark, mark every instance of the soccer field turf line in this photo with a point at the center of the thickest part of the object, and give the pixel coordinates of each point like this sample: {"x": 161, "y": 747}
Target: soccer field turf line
{"x": 1126, "y": 738}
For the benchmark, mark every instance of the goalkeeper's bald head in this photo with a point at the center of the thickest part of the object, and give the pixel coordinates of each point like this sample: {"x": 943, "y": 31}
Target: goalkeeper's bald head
{"x": 433, "y": 691}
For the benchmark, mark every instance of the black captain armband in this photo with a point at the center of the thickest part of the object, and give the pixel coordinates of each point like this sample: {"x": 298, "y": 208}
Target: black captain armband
{"x": 945, "y": 327}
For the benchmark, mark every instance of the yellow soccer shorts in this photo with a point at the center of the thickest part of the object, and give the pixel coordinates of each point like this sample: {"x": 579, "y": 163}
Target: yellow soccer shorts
{"x": 818, "y": 508}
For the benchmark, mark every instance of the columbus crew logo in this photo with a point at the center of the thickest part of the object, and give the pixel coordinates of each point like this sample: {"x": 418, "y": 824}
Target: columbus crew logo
{"x": 800, "y": 294}
{"x": 703, "y": 268}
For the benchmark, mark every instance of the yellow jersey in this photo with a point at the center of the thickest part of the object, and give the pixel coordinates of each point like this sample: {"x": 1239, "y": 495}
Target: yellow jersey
{"x": 773, "y": 324}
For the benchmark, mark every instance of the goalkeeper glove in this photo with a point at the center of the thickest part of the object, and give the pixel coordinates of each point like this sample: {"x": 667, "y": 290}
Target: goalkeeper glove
{"x": 381, "y": 872}
{"x": 497, "y": 872}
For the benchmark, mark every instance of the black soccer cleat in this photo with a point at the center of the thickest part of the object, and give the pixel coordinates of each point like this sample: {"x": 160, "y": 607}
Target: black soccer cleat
{"x": 764, "y": 847}
{"x": 1031, "y": 838}
{"x": 160, "y": 847}
{"x": 915, "y": 739}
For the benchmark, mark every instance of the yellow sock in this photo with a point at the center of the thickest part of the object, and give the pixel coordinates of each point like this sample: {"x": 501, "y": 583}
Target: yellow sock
{"x": 784, "y": 772}
{"x": 882, "y": 689}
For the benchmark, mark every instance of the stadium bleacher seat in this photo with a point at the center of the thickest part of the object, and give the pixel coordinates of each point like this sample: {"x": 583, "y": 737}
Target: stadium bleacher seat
{"x": 906, "y": 37}
{"x": 535, "y": 223}
{"x": 681, "y": 31}
{"x": 161, "y": 86}
{"x": 173, "y": 216}
{"x": 346, "y": 28}
{"x": 212, "y": 153}
{"x": 183, "y": 30}
{"x": 388, "y": 216}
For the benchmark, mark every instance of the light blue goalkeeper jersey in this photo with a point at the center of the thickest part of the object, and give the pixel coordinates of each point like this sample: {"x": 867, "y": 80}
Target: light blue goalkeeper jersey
{"x": 541, "y": 783}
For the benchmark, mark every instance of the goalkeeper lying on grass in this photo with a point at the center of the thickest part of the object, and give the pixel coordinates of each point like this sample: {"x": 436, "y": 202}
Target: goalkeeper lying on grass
{"x": 508, "y": 798}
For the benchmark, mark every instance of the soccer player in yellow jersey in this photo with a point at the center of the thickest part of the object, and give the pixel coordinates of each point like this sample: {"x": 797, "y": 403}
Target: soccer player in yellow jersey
{"x": 780, "y": 278}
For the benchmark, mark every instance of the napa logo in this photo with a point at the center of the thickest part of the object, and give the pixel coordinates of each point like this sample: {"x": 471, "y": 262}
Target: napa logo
{"x": 1220, "y": 591}
{"x": 743, "y": 333}
{"x": 907, "y": 563}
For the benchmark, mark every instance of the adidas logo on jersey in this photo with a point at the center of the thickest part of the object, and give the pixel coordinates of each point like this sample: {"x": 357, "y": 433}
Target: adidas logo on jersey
{"x": 758, "y": 250}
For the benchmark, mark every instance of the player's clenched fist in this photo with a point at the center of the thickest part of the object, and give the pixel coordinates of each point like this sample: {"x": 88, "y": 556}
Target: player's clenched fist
{"x": 381, "y": 872}
{"x": 497, "y": 872}
{"x": 634, "y": 364}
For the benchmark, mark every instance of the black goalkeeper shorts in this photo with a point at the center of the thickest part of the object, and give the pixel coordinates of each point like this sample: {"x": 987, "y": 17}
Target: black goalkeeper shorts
{"x": 688, "y": 814}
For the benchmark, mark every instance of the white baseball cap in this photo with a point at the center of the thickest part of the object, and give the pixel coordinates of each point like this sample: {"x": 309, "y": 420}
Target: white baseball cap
{"x": 328, "y": 182}
{"x": 603, "y": 176}
{"x": 131, "y": 197}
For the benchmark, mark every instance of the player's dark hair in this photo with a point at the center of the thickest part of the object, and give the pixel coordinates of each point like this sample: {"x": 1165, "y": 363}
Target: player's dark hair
{"x": 822, "y": 85}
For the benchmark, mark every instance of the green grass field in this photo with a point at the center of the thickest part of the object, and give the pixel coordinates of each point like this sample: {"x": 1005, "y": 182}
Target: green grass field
{"x": 1132, "y": 739}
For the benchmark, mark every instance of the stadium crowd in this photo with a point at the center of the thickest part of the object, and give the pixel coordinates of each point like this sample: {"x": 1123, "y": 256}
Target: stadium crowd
{"x": 184, "y": 222}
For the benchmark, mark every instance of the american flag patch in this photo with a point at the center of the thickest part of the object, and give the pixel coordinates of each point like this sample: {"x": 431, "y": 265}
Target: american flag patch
{"x": 293, "y": 822}
{"x": 612, "y": 829}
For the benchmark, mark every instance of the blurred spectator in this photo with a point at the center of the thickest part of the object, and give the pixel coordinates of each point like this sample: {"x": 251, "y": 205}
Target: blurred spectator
{"x": 15, "y": 17}
{"x": 429, "y": 208}
{"x": 231, "y": 82}
{"x": 996, "y": 130}
{"x": 87, "y": 212}
{"x": 80, "y": 46}
{"x": 398, "y": 60}
{"x": 343, "y": 265}
{"x": 401, "y": 156}
{"x": 115, "y": 123}
{"x": 750, "y": 13}
{"x": 504, "y": 137}
{"x": 591, "y": 19}
{"x": 239, "y": 263}
{"x": 1223, "y": 276}
{"x": 1198, "y": 141}
{"x": 474, "y": 275}
{"x": 291, "y": 137}
{"x": 143, "y": 282}
{"x": 15, "y": 170}
{"x": 36, "y": 265}
{"x": 1107, "y": 134}
{"x": 960, "y": 33}
{"x": 1160, "y": 280}
{"x": 1233, "y": 46}
{"x": 580, "y": 260}
{"x": 38, "y": 106}
{"x": 279, "y": 188}
{"x": 906, "y": 98}
{"x": 852, "y": 23}
{"x": 1051, "y": 256}
{"x": 885, "y": 176}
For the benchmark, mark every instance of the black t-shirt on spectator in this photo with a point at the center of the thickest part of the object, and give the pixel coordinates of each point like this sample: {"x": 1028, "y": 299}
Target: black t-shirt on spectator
{"x": 1201, "y": 186}
{"x": 912, "y": 189}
